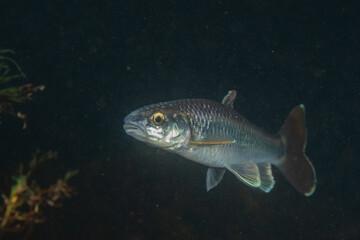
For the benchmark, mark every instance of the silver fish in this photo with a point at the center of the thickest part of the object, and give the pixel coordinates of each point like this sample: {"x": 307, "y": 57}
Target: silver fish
{"x": 217, "y": 136}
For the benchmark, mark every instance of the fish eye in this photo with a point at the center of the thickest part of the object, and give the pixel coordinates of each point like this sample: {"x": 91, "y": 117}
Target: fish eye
{"x": 158, "y": 119}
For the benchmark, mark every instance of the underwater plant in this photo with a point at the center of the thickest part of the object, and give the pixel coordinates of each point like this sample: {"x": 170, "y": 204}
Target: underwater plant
{"x": 26, "y": 202}
{"x": 10, "y": 70}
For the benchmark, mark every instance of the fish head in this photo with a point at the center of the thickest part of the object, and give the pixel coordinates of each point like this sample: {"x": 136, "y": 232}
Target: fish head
{"x": 159, "y": 126}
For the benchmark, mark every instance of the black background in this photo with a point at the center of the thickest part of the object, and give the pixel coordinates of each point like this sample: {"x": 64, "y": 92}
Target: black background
{"x": 100, "y": 60}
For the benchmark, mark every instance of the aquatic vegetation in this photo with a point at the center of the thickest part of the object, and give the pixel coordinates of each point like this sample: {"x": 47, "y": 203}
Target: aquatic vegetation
{"x": 27, "y": 201}
{"x": 10, "y": 70}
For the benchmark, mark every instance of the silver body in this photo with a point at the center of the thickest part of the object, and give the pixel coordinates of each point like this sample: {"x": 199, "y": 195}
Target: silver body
{"x": 212, "y": 134}
{"x": 220, "y": 122}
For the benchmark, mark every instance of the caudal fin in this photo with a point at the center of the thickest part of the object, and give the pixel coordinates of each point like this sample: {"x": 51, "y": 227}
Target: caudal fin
{"x": 296, "y": 166}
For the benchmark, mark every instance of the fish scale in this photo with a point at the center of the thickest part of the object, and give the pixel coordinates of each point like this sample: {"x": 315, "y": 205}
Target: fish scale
{"x": 225, "y": 123}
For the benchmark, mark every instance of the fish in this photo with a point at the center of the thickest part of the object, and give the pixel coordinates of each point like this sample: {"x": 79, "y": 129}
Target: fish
{"x": 215, "y": 135}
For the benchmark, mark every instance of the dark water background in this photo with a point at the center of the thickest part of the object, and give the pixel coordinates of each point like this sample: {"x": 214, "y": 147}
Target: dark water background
{"x": 100, "y": 60}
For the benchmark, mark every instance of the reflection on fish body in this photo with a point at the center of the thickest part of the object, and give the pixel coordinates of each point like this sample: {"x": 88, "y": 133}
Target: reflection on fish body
{"x": 217, "y": 136}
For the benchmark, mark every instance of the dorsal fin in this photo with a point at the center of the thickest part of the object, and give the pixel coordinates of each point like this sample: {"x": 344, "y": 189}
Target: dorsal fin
{"x": 229, "y": 99}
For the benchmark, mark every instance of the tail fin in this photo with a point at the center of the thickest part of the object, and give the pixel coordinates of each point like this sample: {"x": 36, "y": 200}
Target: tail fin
{"x": 297, "y": 167}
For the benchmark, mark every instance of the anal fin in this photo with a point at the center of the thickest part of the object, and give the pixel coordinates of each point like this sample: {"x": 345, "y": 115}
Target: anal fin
{"x": 266, "y": 177}
{"x": 214, "y": 177}
{"x": 247, "y": 172}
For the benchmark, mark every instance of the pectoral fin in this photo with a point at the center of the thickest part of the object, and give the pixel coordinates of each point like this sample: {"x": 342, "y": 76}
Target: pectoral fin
{"x": 214, "y": 177}
{"x": 212, "y": 141}
{"x": 224, "y": 142}
{"x": 247, "y": 172}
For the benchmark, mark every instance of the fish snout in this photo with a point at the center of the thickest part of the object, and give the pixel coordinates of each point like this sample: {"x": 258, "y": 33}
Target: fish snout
{"x": 134, "y": 126}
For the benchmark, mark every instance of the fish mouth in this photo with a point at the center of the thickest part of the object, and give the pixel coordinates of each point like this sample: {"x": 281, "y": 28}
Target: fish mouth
{"x": 130, "y": 127}
{"x": 136, "y": 131}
